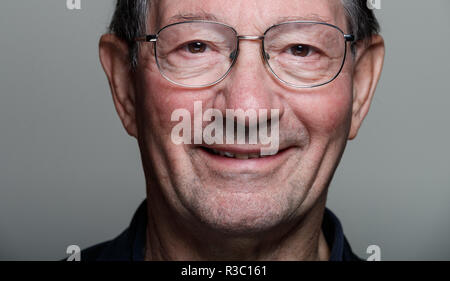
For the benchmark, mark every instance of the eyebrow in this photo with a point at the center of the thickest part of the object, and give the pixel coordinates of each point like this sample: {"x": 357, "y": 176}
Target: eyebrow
{"x": 202, "y": 15}
{"x": 309, "y": 17}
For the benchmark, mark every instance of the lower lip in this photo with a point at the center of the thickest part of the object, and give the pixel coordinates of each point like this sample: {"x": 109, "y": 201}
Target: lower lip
{"x": 267, "y": 163}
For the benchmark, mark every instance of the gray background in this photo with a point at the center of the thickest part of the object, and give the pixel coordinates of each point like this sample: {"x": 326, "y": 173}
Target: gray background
{"x": 69, "y": 174}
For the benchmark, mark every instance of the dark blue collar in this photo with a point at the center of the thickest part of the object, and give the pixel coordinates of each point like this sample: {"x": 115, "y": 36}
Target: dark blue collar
{"x": 130, "y": 244}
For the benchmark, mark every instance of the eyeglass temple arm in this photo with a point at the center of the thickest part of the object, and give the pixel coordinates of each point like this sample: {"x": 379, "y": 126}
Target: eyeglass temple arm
{"x": 349, "y": 37}
{"x": 147, "y": 38}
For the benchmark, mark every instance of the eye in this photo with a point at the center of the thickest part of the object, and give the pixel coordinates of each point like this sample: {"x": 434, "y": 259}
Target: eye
{"x": 300, "y": 50}
{"x": 196, "y": 47}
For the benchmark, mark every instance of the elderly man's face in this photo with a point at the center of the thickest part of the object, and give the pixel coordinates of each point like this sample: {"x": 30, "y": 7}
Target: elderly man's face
{"x": 243, "y": 195}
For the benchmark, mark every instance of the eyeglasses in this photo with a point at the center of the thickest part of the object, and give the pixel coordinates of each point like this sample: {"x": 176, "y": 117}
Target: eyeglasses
{"x": 301, "y": 54}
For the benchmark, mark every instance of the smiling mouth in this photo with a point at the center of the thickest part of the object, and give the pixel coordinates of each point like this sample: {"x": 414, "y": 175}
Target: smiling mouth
{"x": 228, "y": 154}
{"x": 235, "y": 155}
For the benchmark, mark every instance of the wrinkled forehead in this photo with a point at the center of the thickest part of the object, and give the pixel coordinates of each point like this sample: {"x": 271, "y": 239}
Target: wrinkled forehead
{"x": 246, "y": 16}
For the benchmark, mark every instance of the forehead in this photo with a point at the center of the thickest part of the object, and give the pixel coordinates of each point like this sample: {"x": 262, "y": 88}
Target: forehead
{"x": 246, "y": 15}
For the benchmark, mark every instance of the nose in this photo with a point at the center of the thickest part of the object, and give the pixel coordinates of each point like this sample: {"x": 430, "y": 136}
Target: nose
{"x": 249, "y": 85}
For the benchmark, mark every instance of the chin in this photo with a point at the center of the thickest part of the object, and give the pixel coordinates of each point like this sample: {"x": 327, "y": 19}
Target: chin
{"x": 239, "y": 214}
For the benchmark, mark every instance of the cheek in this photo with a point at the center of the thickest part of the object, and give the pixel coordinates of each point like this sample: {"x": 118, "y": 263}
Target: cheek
{"x": 325, "y": 111}
{"x": 157, "y": 99}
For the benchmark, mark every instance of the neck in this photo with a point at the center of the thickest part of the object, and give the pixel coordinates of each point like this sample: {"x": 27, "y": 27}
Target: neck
{"x": 168, "y": 238}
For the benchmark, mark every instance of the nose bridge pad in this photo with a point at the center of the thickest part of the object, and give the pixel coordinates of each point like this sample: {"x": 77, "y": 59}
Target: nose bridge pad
{"x": 264, "y": 54}
{"x": 234, "y": 54}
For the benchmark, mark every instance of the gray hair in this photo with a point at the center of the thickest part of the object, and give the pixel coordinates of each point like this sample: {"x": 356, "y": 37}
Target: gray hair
{"x": 130, "y": 18}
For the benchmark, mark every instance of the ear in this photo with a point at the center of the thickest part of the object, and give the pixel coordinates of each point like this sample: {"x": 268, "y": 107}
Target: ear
{"x": 115, "y": 62}
{"x": 366, "y": 73}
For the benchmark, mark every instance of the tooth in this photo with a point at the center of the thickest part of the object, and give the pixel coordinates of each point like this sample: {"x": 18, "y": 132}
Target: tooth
{"x": 242, "y": 156}
{"x": 253, "y": 155}
{"x": 228, "y": 154}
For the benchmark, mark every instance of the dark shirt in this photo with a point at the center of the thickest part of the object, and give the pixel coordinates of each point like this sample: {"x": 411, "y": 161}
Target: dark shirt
{"x": 130, "y": 244}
